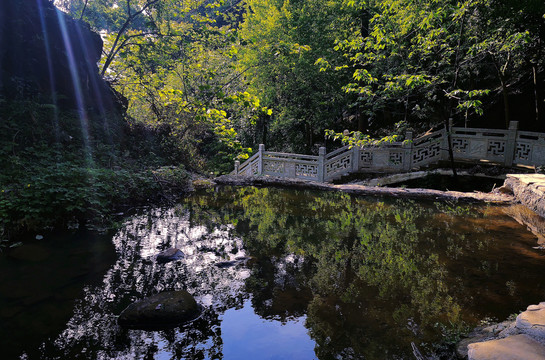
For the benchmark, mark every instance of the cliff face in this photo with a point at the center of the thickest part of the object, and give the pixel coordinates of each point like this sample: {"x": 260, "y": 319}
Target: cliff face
{"x": 47, "y": 56}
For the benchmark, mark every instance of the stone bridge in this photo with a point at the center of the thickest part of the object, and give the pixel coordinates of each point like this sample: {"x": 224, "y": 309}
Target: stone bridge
{"x": 505, "y": 147}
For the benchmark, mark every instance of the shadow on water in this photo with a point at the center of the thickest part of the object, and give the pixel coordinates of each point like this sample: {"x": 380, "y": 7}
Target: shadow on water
{"x": 288, "y": 274}
{"x": 40, "y": 284}
{"x": 447, "y": 182}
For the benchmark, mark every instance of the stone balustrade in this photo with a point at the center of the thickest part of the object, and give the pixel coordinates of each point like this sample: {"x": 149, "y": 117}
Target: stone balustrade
{"x": 506, "y": 147}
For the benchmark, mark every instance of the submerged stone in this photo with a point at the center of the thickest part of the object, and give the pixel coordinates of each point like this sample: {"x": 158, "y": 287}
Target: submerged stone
{"x": 30, "y": 252}
{"x": 160, "y": 311}
{"x": 168, "y": 255}
{"x": 231, "y": 263}
{"x": 226, "y": 264}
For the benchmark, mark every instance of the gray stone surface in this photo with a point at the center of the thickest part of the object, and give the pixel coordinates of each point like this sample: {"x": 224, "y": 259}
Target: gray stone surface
{"x": 517, "y": 347}
{"x": 160, "y": 311}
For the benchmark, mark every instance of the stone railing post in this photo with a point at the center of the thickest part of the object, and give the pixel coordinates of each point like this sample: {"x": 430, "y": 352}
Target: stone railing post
{"x": 260, "y": 159}
{"x": 355, "y": 159}
{"x": 408, "y": 147}
{"x": 237, "y": 166}
{"x": 321, "y": 161}
{"x": 510, "y": 144}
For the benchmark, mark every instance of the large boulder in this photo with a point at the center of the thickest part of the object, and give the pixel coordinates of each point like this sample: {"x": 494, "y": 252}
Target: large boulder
{"x": 164, "y": 310}
{"x": 517, "y": 347}
{"x": 532, "y": 321}
{"x": 46, "y": 54}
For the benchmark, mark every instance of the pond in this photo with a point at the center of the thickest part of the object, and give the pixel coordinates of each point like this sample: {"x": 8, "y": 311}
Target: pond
{"x": 312, "y": 275}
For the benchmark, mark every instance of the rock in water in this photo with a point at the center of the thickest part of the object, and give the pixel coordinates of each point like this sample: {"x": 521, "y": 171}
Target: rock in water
{"x": 168, "y": 255}
{"x": 164, "y": 310}
{"x": 226, "y": 264}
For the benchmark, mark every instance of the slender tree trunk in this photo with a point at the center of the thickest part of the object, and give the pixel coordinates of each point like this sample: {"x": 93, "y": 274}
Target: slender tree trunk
{"x": 310, "y": 137}
{"x": 536, "y": 94}
{"x": 450, "y": 151}
{"x": 363, "y": 123}
{"x": 448, "y": 121}
{"x": 501, "y": 75}
{"x": 505, "y": 100}
{"x": 406, "y": 115}
{"x": 264, "y": 132}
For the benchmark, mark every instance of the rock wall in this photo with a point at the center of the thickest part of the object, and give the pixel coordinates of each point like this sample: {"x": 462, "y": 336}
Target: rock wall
{"x": 529, "y": 189}
{"x": 48, "y": 57}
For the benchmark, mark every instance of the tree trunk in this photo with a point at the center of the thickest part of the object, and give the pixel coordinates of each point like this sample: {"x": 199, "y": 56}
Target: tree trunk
{"x": 449, "y": 145}
{"x": 505, "y": 100}
{"x": 363, "y": 123}
{"x": 454, "y": 84}
{"x": 501, "y": 75}
{"x": 536, "y": 93}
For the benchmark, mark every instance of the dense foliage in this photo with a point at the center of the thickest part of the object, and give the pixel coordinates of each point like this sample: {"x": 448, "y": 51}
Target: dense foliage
{"x": 206, "y": 81}
{"x": 224, "y": 76}
{"x": 50, "y": 179}
{"x": 427, "y": 61}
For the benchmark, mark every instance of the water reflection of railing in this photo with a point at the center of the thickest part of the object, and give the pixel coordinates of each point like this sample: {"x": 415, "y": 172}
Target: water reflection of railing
{"x": 506, "y": 147}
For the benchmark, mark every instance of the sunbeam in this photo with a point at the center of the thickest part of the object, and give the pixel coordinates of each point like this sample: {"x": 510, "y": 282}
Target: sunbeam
{"x": 53, "y": 87}
{"x": 78, "y": 92}
{"x": 95, "y": 88}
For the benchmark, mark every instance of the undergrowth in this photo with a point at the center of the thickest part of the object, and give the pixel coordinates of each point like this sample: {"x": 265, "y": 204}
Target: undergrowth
{"x": 59, "y": 172}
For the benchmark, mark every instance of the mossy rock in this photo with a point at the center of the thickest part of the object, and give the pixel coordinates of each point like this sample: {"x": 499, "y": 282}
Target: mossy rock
{"x": 164, "y": 310}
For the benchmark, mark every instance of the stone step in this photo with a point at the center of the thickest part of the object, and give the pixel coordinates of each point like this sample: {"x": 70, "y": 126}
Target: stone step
{"x": 516, "y": 347}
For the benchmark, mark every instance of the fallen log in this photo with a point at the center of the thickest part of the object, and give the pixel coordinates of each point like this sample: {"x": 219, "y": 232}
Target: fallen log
{"x": 357, "y": 189}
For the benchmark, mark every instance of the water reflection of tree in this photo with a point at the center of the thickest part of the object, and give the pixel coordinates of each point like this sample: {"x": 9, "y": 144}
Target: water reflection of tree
{"x": 330, "y": 252}
{"x": 370, "y": 276}
{"x": 93, "y": 332}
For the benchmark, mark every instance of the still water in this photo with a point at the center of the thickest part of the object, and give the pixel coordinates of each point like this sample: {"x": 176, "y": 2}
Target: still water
{"x": 311, "y": 275}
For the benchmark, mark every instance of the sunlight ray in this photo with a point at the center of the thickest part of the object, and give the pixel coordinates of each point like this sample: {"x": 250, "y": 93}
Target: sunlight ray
{"x": 52, "y": 84}
{"x": 78, "y": 91}
{"x": 95, "y": 88}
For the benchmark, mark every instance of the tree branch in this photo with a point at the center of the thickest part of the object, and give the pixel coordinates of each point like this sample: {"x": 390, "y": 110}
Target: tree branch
{"x": 130, "y": 17}
{"x": 83, "y": 11}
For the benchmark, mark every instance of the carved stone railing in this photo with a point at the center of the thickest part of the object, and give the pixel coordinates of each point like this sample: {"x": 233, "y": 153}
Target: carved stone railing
{"x": 291, "y": 165}
{"x": 506, "y": 147}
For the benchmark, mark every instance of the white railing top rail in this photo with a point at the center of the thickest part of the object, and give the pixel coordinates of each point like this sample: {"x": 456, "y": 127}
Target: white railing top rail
{"x": 248, "y": 162}
{"x": 338, "y": 151}
{"x": 529, "y": 135}
{"x": 479, "y": 132}
{"x": 337, "y": 157}
{"x": 438, "y": 134}
{"x": 288, "y": 156}
{"x": 292, "y": 160}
